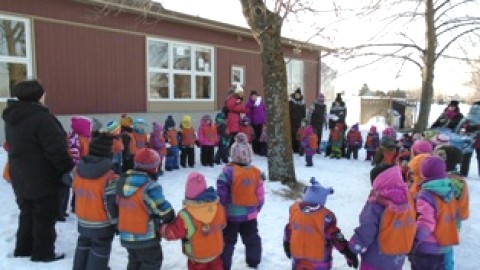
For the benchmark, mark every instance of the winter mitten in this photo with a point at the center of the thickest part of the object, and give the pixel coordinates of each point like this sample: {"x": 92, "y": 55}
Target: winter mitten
{"x": 351, "y": 257}
{"x": 286, "y": 248}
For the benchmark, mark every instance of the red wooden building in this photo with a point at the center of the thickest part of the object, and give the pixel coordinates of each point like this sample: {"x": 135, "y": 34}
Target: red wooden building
{"x": 95, "y": 62}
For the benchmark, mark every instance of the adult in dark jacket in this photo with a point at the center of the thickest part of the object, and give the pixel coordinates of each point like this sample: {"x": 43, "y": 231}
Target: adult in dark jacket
{"x": 450, "y": 117}
{"x": 38, "y": 158}
{"x": 317, "y": 115}
{"x": 297, "y": 114}
{"x": 338, "y": 112}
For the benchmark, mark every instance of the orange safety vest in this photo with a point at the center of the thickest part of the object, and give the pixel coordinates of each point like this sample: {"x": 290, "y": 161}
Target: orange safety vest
{"x": 335, "y": 135}
{"x": 389, "y": 156}
{"x": 397, "y": 230}
{"x": 248, "y": 131}
{"x": 84, "y": 141}
{"x": 89, "y": 197}
{"x": 445, "y": 231}
{"x": 172, "y": 137}
{"x": 463, "y": 208}
{"x": 308, "y": 237}
{"x": 133, "y": 213}
{"x": 188, "y": 136}
{"x": 117, "y": 146}
{"x": 209, "y": 132}
{"x": 207, "y": 239}
{"x": 313, "y": 141}
{"x": 140, "y": 139}
{"x": 300, "y": 133}
{"x": 244, "y": 185}
{"x": 369, "y": 141}
{"x": 6, "y": 172}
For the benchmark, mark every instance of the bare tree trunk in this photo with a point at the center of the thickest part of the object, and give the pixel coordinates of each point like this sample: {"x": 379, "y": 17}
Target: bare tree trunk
{"x": 428, "y": 68}
{"x": 266, "y": 27}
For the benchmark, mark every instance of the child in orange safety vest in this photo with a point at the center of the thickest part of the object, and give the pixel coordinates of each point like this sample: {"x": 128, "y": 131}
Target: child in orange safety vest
{"x": 199, "y": 224}
{"x": 142, "y": 208}
{"x": 94, "y": 186}
{"x": 453, "y": 157}
{"x": 387, "y": 223}
{"x": 310, "y": 144}
{"x": 187, "y": 142}
{"x": 312, "y": 231}
{"x": 436, "y": 217}
{"x": 241, "y": 191}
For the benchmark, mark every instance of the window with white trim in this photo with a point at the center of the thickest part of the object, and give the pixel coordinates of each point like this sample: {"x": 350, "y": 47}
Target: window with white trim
{"x": 295, "y": 73}
{"x": 15, "y": 52}
{"x": 179, "y": 71}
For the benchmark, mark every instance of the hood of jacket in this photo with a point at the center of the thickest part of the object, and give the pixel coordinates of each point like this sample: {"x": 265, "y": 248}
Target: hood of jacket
{"x": 442, "y": 187}
{"x": 130, "y": 182}
{"x": 186, "y": 121}
{"x": 17, "y": 111}
{"x": 204, "y": 207}
{"x": 390, "y": 189}
{"x": 92, "y": 167}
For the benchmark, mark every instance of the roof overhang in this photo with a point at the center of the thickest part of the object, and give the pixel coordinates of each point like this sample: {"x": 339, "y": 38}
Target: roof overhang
{"x": 156, "y": 10}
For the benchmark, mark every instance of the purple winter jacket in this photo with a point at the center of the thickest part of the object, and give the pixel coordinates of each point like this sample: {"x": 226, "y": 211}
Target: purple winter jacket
{"x": 389, "y": 190}
{"x": 256, "y": 113}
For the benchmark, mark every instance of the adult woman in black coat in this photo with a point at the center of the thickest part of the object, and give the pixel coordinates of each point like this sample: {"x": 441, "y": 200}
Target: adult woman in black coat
{"x": 297, "y": 114}
{"x": 38, "y": 158}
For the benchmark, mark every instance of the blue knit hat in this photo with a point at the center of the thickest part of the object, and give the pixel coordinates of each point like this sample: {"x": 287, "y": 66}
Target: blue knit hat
{"x": 316, "y": 193}
{"x": 169, "y": 123}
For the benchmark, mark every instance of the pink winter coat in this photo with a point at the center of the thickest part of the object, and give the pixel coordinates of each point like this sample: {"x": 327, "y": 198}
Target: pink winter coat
{"x": 234, "y": 110}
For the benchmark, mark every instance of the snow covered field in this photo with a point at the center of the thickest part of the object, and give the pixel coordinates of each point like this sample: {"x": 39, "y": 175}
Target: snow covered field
{"x": 349, "y": 178}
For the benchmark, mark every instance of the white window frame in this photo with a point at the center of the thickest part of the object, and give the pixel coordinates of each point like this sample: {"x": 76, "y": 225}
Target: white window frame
{"x": 290, "y": 83}
{"x": 27, "y": 59}
{"x": 172, "y": 72}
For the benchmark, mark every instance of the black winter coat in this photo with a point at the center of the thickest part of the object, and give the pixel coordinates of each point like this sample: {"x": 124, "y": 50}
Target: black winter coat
{"x": 38, "y": 152}
{"x": 317, "y": 118}
{"x": 297, "y": 113}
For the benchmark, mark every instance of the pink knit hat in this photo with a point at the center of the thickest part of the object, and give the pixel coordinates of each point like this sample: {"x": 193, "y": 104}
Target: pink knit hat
{"x": 195, "y": 185}
{"x": 422, "y": 147}
{"x": 81, "y": 125}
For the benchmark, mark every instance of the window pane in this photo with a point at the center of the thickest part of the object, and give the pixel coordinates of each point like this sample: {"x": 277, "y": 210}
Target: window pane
{"x": 182, "y": 57}
{"x": 182, "y": 86}
{"x": 9, "y": 75}
{"x": 203, "y": 59}
{"x": 204, "y": 85}
{"x": 158, "y": 85}
{"x": 157, "y": 54}
{"x": 12, "y": 38}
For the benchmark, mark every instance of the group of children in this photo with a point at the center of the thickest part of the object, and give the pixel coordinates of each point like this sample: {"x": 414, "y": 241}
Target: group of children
{"x": 133, "y": 205}
{"x": 419, "y": 219}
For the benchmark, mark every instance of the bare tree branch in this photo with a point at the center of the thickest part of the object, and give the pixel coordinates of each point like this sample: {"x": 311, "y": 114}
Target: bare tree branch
{"x": 449, "y": 9}
{"x": 455, "y": 39}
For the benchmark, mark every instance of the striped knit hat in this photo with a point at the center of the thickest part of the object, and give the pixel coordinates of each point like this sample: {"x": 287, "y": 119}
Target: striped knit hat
{"x": 147, "y": 160}
{"x": 113, "y": 127}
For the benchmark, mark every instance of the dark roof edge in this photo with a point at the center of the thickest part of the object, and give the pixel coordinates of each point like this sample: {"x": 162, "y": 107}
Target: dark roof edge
{"x": 198, "y": 21}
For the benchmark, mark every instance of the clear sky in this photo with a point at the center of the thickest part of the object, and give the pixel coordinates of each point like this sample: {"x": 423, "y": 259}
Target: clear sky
{"x": 450, "y": 75}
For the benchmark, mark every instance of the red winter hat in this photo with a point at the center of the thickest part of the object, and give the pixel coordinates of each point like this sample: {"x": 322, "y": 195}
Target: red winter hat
{"x": 195, "y": 185}
{"x": 147, "y": 160}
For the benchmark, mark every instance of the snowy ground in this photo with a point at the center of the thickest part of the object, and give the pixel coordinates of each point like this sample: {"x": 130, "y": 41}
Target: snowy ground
{"x": 348, "y": 177}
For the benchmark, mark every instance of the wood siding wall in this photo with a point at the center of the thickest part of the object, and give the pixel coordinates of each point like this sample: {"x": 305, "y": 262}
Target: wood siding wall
{"x": 95, "y": 63}
{"x": 88, "y": 70}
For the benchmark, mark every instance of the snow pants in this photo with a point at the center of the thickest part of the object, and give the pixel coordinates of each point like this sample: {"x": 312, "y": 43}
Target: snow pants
{"x": 216, "y": 264}
{"x": 248, "y": 231}
{"x": 93, "y": 253}
{"x": 150, "y": 258}
{"x": 423, "y": 261}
